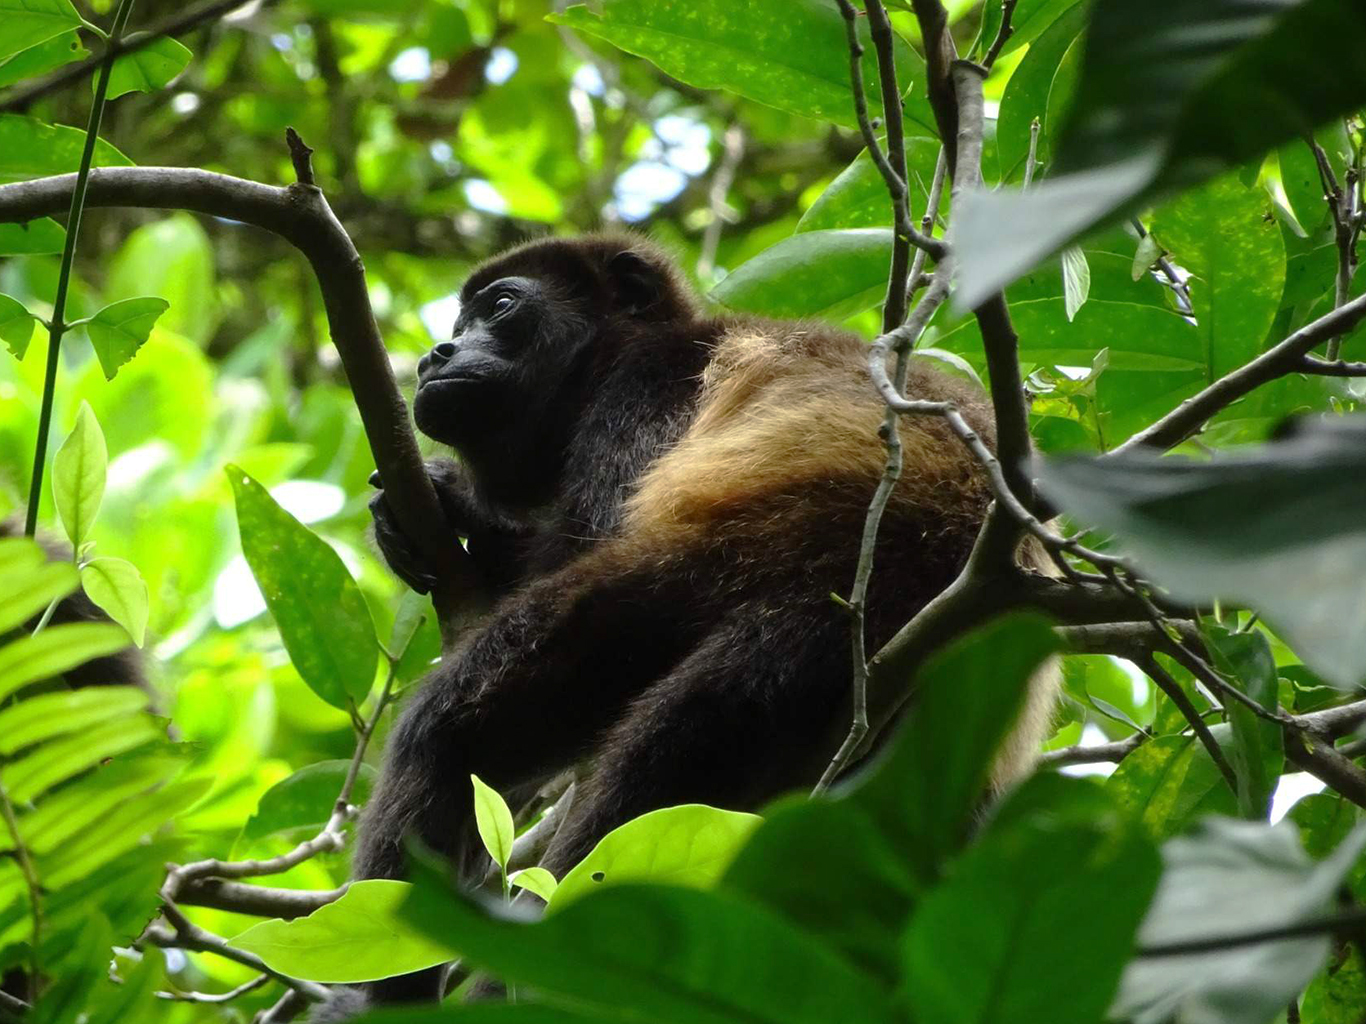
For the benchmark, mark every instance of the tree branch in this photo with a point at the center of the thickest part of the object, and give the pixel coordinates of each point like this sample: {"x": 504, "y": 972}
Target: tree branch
{"x": 300, "y": 214}
{"x": 1286, "y": 357}
{"x": 1319, "y": 759}
{"x": 1112, "y": 753}
{"x": 258, "y": 900}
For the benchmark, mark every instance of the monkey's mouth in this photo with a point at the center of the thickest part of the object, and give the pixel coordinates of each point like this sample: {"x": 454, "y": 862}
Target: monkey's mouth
{"x": 446, "y": 382}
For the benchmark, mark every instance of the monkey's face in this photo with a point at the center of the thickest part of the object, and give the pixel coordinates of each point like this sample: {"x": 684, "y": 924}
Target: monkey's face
{"x": 468, "y": 386}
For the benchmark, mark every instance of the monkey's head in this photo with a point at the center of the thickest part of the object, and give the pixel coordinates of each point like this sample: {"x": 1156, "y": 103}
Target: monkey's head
{"x": 533, "y": 322}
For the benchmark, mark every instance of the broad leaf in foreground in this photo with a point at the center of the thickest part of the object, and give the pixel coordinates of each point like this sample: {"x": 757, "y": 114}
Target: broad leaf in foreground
{"x": 1278, "y": 527}
{"x": 1229, "y": 879}
{"x": 829, "y": 274}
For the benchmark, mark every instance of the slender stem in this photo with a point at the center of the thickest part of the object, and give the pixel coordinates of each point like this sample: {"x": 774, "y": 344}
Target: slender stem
{"x": 30, "y": 874}
{"x": 1172, "y": 689}
{"x": 56, "y": 328}
{"x": 1346, "y": 920}
{"x": 1032, "y": 161}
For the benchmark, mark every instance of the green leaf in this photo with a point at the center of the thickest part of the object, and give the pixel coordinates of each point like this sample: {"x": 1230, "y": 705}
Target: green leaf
{"x": 149, "y": 68}
{"x": 30, "y": 148}
{"x": 827, "y": 274}
{"x": 16, "y": 325}
{"x": 121, "y": 328}
{"x": 31, "y": 581}
{"x": 1031, "y": 19}
{"x": 54, "y": 650}
{"x": 494, "y": 821}
{"x": 304, "y": 801}
{"x": 866, "y": 890}
{"x": 117, "y": 587}
{"x": 30, "y": 22}
{"x": 858, "y": 198}
{"x": 1169, "y": 782}
{"x": 1169, "y": 95}
{"x": 34, "y": 773}
{"x": 1258, "y": 745}
{"x": 1231, "y": 878}
{"x": 1026, "y": 94}
{"x": 925, "y": 789}
{"x": 40, "y": 237}
{"x": 322, "y": 617}
{"x": 42, "y": 58}
{"x": 72, "y": 812}
{"x": 1076, "y": 281}
{"x": 1063, "y": 885}
{"x": 78, "y": 474}
{"x": 657, "y": 953}
{"x": 537, "y": 880}
{"x": 1276, "y": 527}
{"x": 789, "y": 54}
{"x": 361, "y": 937}
{"x": 688, "y": 845}
{"x": 46, "y": 715}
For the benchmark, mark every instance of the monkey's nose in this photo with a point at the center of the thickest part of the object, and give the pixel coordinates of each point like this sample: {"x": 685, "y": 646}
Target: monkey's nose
{"x": 444, "y": 350}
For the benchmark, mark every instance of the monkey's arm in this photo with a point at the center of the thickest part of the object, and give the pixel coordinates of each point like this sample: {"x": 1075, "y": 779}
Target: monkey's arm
{"x": 495, "y": 542}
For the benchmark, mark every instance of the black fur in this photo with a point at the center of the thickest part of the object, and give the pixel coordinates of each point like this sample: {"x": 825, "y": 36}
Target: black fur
{"x": 713, "y": 669}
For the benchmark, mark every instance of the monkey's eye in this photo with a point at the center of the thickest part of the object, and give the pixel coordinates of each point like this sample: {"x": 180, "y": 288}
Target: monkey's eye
{"x": 503, "y": 303}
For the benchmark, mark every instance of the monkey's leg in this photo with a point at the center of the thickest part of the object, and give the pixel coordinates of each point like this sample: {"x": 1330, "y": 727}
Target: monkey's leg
{"x": 746, "y": 716}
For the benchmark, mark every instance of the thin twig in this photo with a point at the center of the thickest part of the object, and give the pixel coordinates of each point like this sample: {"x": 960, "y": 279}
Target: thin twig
{"x": 1285, "y": 357}
{"x": 217, "y": 997}
{"x": 1100, "y": 753}
{"x": 1343, "y": 921}
{"x": 1177, "y": 696}
{"x": 188, "y": 936}
{"x": 1003, "y": 33}
{"x": 1324, "y": 368}
{"x": 732, "y": 152}
{"x": 1173, "y": 279}
{"x": 1345, "y": 232}
{"x": 1032, "y": 159}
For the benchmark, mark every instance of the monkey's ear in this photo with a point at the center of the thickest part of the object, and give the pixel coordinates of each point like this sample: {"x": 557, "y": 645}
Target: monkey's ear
{"x": 638, "y": 284}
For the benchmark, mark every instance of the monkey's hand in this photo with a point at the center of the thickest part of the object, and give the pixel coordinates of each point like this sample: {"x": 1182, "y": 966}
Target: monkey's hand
{"x": 492, "y": 542}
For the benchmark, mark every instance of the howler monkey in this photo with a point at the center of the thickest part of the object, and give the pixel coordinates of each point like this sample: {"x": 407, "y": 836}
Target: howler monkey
{"x": 663, "y": 501}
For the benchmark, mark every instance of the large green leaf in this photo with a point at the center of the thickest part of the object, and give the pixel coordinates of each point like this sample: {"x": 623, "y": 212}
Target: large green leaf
{"x": 78, "y": 476}
{"x": 858, "y": 197}
{"x": 1169, "y": 94}
{"x": 322, "y": 617}
{"x": 360, "y": 937}
{"x": 789, "y": 54}
{"x": 657, "y": 953}
{"x": 42, "y": 58}
{"x": 923, "y": 792}
{"x": 1169, "y": 782}
{"x": 30, "y": 148}
{"x": 1277, "y": 527}
{"x": 30, "y": 22}
{"x": 34, "y": 773}
{"x": 121, "y": 328}
{"x": 828, "y": 274}
{"x": 1228, "y": 879}
{"x": 1026, "y": 94}
{"x": 865, "y": 891}
{"x": 1038, "y": 917}
{"x": 687, "y": 845}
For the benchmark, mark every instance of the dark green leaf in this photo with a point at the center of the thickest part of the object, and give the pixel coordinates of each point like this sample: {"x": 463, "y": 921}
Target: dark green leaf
{"x": 1258, "y": 745}
{"x": 46, "y": 56}
{"x": 657, "y": 953}
{"x": 1060, "y": 886}
{"x": 858, "y": 198}
{"x": 1169, "y": 782}
{"x": 1026, "y": 94}
{"x": 1278, "y": 528}
{"x": 322, "y": 617}
{"x": 922, "y": 793}
{"x": 305, "y": 799}
{"x": 789, "y": 54}
{"x": 827, "y": 274}
{"x": 30, "y": 148}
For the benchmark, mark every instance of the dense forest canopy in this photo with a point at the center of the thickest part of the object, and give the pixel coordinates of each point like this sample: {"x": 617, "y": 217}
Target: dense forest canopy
{"x": 1134, "y": 228}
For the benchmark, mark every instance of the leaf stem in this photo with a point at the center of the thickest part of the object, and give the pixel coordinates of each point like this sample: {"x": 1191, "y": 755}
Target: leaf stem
{"x": 57, "y": 328}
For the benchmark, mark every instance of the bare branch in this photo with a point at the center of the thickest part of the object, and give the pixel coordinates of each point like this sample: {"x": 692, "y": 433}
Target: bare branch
{"x": 1100, "y": 753}
{"x": 217, "y": 997}
{"x": 300, "y": 214}
{"x": 191, "y": 937}
{"x": 1191, "y": 415}
{"x": 1003, "y": 33}
{"x": 1344, "y": 921}
{"x": 1325, "y": 368}
{"x": 1318, "y": 758}
{"x": 258, "y": 900}
{"x": 1132, "y": 640}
